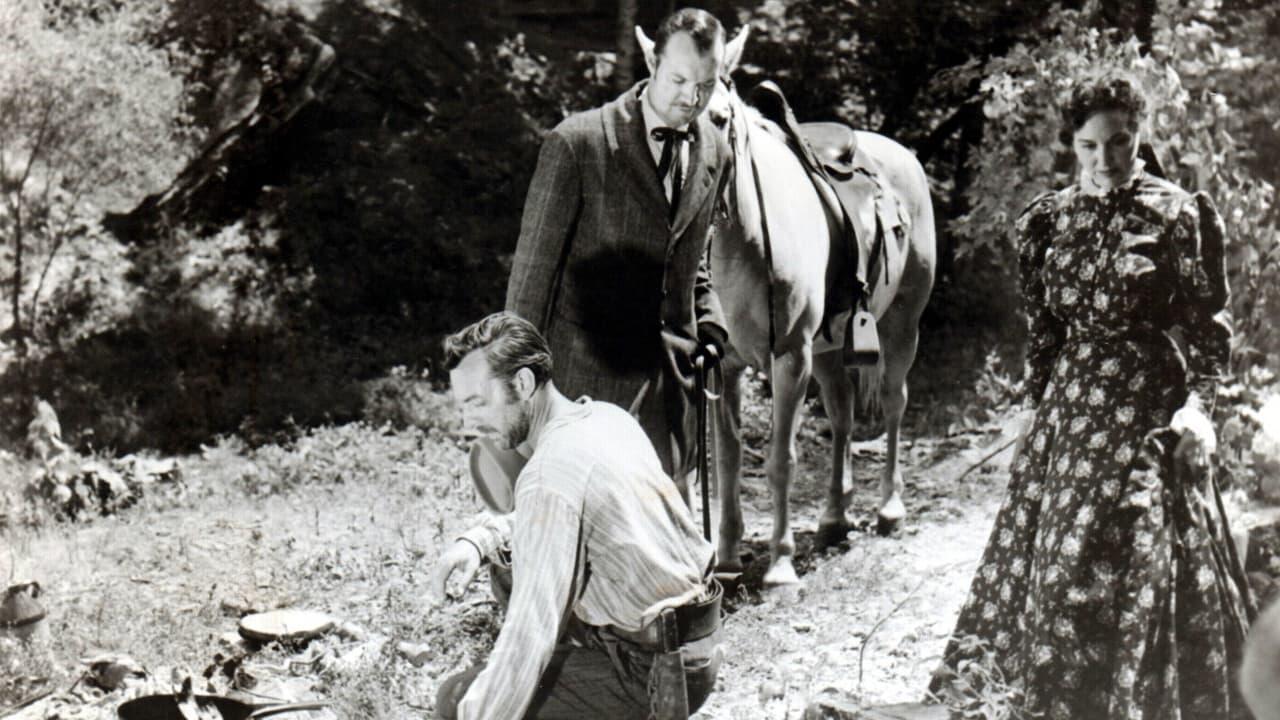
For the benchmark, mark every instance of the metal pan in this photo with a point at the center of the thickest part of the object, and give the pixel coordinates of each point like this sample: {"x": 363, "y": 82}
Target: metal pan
{"x": 165, "y": 707}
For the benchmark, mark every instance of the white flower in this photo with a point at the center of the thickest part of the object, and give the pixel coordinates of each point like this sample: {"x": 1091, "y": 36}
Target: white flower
{"x": 1124, "y": 414}
{"x": 1146, "y": 598}
{"x": 1078, "y": 424}
{"x": 1063, "y": 464}
{"x": 1038, "y": 443}
{"x": 1005, "y": 592}
{"x": 1002, "y": 640}
{"x": 1097, "y": 397}
{"x": 1069, "y": 296}
{"x": 1087, "y": 272}
{"x": 988, "y": 611}
{"x": 1205, "y": 577}
{"x": 1006, "y": 538}
{"x": 1110, "y": 488}
{"x": 1064, "y": 498}
{"x": 1071, "y": 547}
{"x": 1062, "y": 628}
{"x": 1110, "y": 367}
{"x": 1076, "y": 596}
{"x": 1102, "y": 301}
{"x": 1018, "y": 567}
{"x": 1126, "y": 677}
{"x": 1124, "y": 454}
{"x": 1084, "y": 469}
{"x": 1044, "y": 655}
{"x": 1073, "y": 390}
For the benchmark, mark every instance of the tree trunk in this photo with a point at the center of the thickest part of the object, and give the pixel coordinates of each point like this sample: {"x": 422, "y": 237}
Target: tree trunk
{"x": 19, "y": 334}
{"x": 624, "y": 71}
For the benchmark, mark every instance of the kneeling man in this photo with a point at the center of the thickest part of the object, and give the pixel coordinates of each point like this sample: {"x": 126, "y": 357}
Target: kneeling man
{"x": 600, "y": 544}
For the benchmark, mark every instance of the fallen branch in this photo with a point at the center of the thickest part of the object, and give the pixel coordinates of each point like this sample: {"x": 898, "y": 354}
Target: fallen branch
{"x": 985, "y": 458}
{"x": 862, "y": 651}
{"x": 13, "y": 709}
{"x": 892, "y": 611}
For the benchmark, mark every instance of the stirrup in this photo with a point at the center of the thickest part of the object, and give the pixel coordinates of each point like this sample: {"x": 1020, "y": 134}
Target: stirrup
{"x": 861, "y": 341}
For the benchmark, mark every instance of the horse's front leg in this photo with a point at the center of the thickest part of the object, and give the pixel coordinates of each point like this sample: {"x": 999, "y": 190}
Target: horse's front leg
{"x": 726, "y": 429}
{"x": 790, "y": 375}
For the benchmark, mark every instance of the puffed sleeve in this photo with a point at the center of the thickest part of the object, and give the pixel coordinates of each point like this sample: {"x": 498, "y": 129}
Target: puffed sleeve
{"x": 1045, "y": 332}
{"x": 1201, "y": 297}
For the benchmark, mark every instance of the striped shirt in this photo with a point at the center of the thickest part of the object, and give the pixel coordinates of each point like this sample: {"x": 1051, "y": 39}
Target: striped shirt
{"x": 599, "y": 531}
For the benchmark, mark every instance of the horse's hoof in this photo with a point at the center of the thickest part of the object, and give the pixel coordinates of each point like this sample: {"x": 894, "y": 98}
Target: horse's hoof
{"x": 781, "y": 574}
{"x": 729, "y": 567}
{"x": 832, "y": 533}
{"x": 889, "y": 519}
{"x": 886, "y": 527}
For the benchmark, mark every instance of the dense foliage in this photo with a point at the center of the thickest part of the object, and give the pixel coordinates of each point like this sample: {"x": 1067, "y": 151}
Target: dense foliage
{"x": 334, "y": 245}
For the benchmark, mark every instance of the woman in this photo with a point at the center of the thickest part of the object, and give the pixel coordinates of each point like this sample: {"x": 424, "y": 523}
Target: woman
{"x": 1109, "y": 588}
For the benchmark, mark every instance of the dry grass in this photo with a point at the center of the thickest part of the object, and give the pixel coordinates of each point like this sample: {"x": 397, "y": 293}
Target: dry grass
{"x": 348, "y": 519}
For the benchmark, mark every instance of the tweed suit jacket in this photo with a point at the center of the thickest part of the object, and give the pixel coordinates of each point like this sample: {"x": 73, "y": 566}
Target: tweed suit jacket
{"x": 598, "y": 267}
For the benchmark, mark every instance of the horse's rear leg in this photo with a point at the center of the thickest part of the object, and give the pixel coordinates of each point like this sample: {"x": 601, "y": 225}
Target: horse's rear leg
{"x": 899, "y": 330}
{"x": 726, "y": 429}
{"x": 837, "y": 400}
{"x": 790, "y": 379}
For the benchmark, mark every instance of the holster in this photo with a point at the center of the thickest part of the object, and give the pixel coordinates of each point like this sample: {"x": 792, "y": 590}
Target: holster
{"x": 669, "y": 696}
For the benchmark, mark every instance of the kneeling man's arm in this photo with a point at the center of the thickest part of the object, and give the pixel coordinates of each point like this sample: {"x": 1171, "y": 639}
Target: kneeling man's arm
{"x": 544, "y": 579}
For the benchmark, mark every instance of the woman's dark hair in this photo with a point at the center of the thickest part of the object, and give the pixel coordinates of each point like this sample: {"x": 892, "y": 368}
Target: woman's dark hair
{"x": 509, "y": 342}
{"x": 1101, "y": 94}
{"x": 703, "y": 28}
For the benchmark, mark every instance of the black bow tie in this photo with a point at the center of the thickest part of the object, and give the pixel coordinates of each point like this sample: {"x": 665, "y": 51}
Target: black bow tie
{"x": 670, "y": 162}
{"x": 670, "y": 134}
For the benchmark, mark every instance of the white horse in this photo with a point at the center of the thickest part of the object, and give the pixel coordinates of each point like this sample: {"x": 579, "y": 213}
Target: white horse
{"x": 774, "y": 310}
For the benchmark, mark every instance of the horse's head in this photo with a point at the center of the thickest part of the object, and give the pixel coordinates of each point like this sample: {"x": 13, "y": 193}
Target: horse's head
{"x": 722, "y": 107}
{"x": 729, "y": 114}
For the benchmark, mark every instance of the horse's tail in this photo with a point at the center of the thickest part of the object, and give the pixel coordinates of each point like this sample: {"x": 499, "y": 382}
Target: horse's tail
{"x": 869, "y": 382}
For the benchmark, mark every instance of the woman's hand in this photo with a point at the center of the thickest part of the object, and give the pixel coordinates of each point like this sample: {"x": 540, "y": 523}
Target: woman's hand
{"x": 1198, "y": 442}
{"x": 1022, "y": 426}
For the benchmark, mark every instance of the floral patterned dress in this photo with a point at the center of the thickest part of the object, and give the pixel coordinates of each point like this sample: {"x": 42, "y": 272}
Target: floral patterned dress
{"x": 1109, "y": 587}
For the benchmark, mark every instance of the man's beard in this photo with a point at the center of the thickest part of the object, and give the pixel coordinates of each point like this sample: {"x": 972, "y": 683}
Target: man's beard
{"x": 517, "y": 430}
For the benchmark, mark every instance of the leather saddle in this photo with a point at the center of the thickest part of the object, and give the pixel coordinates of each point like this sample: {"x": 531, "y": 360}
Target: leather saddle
{"x": 849, "y": 183}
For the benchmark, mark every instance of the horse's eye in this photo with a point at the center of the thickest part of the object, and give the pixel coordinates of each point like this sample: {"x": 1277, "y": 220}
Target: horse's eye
{"x": 719, "y": 120}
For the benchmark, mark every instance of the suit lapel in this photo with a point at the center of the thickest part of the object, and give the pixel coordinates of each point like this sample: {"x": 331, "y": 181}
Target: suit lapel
{"x": 697, "y": 184}
{"x": 624, "y": 125}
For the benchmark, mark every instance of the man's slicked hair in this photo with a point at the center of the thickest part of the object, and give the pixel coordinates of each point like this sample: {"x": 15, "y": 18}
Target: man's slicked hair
{"x": 703, "y": 28}
{"x": 509, "y": 342}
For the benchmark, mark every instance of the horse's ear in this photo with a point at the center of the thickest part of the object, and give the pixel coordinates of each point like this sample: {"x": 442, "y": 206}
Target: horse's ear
{"x": 733, "y": 50}
{"x": 646, "y": 48}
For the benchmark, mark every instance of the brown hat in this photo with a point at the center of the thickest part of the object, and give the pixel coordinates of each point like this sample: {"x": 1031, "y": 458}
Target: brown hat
{"x": 494, "y": 471}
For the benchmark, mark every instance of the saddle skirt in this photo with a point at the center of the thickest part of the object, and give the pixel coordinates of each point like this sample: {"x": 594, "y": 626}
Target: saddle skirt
{"x": 866, "y": 213}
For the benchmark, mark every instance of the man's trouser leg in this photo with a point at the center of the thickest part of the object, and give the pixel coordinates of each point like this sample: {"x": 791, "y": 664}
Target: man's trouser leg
{"x": 591, "y": 682}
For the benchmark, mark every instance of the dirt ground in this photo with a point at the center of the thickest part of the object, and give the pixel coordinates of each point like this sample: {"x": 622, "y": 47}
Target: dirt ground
{"x": 347, "y": 521}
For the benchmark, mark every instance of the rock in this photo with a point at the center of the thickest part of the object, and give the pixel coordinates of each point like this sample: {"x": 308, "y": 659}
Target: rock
{"x": 416, "y": 653}
{"x": 350, "y": 631}
{"x": 772, "y": 690}
{"x": 112, "y": 671}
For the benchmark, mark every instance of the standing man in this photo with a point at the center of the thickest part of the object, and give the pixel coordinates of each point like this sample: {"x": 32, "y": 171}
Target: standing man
{"x": 601, "y": 547}
{"x": 611, "y": 261}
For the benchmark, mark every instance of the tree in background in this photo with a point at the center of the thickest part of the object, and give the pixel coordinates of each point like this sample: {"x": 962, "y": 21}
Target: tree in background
{"x": 90, "y": 118}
